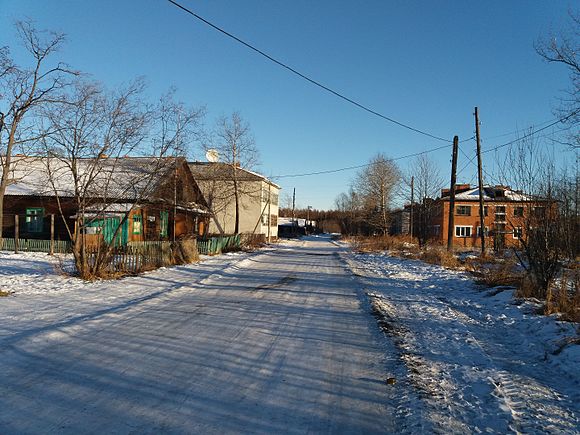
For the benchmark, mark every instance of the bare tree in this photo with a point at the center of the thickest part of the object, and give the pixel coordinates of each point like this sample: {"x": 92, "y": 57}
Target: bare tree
{"x": 564, "y": 48}
{"x": 24, "y": 90}
{"x": 235, "y": 144}
{"x": 375, "y": 186}
{"x": 350, "y": 211}
{"x": 427, "y": 185}
{"x": 87, "y": 147}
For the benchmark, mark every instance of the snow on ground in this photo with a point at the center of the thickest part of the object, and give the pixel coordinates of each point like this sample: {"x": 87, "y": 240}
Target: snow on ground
{"x": 480, "y": 362}
{"x": 286, "y": 328}
{"x": 269, "y": 342}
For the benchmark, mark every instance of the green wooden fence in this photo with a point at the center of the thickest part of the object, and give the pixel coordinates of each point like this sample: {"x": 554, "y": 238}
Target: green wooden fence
{"x": 216, "y": 245}
{"x": 36, "y": 245}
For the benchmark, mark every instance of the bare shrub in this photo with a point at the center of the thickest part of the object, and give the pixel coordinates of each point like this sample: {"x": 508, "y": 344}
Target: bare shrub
{"x": 493, "y": 273}
{"x": 185, "y": 251}
{"x": 564, "y": 297}
{"x": 439, "y": 256}
{"x": 393, "y": 244}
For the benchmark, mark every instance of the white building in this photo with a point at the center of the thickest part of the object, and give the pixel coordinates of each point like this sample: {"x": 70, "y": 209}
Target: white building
{"x": 258, "y": 199}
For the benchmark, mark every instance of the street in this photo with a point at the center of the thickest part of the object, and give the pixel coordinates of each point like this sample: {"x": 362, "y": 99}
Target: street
{"x": 279, "y": 342}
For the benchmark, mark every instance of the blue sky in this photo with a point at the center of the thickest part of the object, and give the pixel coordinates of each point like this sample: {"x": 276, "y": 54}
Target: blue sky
{"x": 423, "y": 63}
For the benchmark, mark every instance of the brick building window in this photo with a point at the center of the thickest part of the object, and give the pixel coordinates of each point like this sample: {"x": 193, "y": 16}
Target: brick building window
{"x": 463, "y": 210}
{"x": 462, "y": 231}
{"x": 518, "y": 211}
{"x": 517, "y": 233}
{"x": 486, "y": 231}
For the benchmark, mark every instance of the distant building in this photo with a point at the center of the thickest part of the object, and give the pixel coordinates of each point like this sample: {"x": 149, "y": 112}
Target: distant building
{"x": 504, "y": 221}
{"x": 258, "y": 199}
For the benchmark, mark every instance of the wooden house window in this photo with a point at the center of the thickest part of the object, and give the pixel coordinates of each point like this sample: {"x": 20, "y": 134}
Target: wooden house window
{"x": 137, "y": 224}
{"x": 34, "y": 220}
{"x": 163, "y": 223}
{"x": 463, "y": 210}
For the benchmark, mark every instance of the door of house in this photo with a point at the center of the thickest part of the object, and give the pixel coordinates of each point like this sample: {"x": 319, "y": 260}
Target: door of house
{"x": 109, "y": 226}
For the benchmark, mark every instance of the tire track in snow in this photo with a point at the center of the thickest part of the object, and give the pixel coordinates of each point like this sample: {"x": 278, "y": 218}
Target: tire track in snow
{"x": 489, "y": 393}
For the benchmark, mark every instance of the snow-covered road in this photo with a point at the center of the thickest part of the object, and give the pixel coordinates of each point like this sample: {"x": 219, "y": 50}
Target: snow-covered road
{"x": 274, "y": 342}
{"x": 479, "y": 363}
{"x": 279, "y": 341}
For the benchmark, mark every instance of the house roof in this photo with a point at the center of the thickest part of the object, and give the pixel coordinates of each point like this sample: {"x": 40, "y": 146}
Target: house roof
{"x": 223, "y": 171}
{"x": 127, "y": 179}
{"x": 491, "y": 193}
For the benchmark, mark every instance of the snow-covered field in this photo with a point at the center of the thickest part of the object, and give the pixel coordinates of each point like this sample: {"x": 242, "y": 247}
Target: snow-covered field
{"x": 279, "y": 341}
{"x": 473, "y": 360}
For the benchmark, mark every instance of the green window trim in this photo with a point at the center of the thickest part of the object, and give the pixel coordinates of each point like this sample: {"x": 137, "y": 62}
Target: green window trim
{"x": 35, "y": 219}
{"x": 137, "y": 224}
{"x": 163, "y": 223}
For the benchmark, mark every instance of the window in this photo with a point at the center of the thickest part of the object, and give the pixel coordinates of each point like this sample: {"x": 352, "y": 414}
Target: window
{"x": 485, "y": 210}
{"x": 137, "y": 223}
{"x": 539, "y": 211}
{"x": 274, "y": 199}
{"x": 462, "y": 231}
{"x": 264, "y": 219}
{"x": 463, "y": 210}
{"x": 273, "y": 220}
{"x": 486, "y": 231}
{"x": 34, "y": 220}
{"x": 163, "y": 223}
{"x": 518, "y": 211}
{"x": 517, "y": 233}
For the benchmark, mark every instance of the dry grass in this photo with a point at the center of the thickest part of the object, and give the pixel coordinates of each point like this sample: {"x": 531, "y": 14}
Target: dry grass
{"x": 564, "y": 297}
{"x": 440, "y": 256}
{"x": 4, "y": 293}
{"x": 383, "y": 243}
{"x": 492, "y": 272}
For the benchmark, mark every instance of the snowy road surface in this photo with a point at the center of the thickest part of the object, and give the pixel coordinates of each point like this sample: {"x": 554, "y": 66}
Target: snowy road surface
{"x": 280, "y": 341}
{"x": 274, "y": 342}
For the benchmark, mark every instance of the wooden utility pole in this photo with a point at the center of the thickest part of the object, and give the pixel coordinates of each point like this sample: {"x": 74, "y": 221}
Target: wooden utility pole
{"x": 412, "y": 200}
{"x": 293, "y": 209}
{"x": 480, "y": 185}
{"x": 269, "y": 212}
{"x": 452, "y": 194}
{"x": 16, "y": 233}
{"x": 51, "y": 249}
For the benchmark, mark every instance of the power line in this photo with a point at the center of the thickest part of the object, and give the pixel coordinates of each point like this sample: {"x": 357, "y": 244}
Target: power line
{"x": 305, "y": 77}
{"x": 348, "y": 168}
{"x": 533, "y": 132}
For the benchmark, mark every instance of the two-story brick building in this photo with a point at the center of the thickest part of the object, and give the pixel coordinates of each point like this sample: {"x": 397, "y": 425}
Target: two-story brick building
{"x": 505, "y": 216}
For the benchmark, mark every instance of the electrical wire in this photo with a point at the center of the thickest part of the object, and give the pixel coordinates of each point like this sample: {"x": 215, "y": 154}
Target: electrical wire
{"x": 348, "y": 168}
{"x": 305, "y": 77}
{"x": 532, "y": 133}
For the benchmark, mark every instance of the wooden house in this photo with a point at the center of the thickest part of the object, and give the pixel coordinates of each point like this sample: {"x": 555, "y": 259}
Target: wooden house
{"x": 130, "y": 198}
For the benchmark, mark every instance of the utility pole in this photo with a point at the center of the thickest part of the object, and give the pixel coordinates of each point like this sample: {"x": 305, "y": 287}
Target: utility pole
{"x": 452, "y": 194}
{"x": 293, "y": 210}
{"x": 269, "y": 212}
{"x": 412, "y": 200}
{"x": 480, "y": 185}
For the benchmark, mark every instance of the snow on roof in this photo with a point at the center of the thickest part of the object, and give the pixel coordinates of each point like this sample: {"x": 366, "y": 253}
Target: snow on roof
{"x": 493, "y": 193}
{"x": 223, "y": 171}
{"x": 125, "y": 178}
